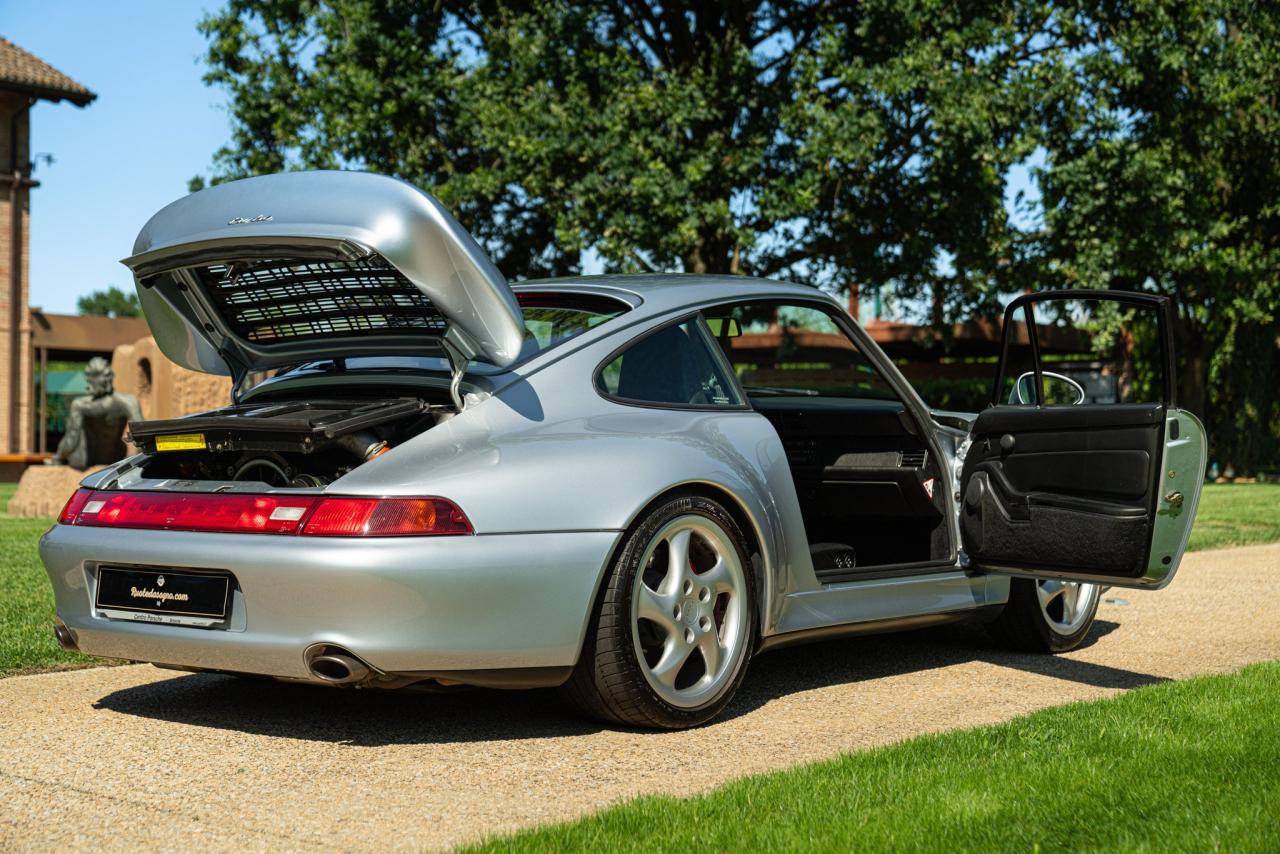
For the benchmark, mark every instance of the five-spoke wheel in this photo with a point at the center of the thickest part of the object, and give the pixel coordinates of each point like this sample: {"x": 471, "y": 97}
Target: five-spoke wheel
{"x": 674, "y": 625}
{"x": 688, "y": 610}
{"x": 1046, "y": 616}
{"x": 1067, "y": 605}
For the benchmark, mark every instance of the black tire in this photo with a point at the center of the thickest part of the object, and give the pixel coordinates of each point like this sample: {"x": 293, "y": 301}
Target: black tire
{"x": 1022, "y": 624}
{"x": 607, "y": 682}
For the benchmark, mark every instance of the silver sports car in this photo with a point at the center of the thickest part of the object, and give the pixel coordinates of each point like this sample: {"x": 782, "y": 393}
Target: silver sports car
{"x": 624, "y": 486}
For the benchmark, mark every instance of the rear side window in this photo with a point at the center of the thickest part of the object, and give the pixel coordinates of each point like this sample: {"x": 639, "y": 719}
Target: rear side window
{"x": 674, "y": 366}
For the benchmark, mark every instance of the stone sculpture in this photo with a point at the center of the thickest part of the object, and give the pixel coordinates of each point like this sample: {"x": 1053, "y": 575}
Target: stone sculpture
{"x": 96, "y": 421}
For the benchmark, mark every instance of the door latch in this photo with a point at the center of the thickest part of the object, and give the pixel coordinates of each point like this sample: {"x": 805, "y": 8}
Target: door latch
{"x": 1174, "y": 498}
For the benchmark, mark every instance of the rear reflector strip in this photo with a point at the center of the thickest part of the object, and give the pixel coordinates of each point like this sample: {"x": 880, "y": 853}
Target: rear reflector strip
{"x": 239, "y": 513}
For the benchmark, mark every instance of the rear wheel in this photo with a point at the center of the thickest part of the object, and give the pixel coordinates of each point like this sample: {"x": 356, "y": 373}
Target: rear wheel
{"x": 1046, "y": 616}
{"x": 674, "y": 624}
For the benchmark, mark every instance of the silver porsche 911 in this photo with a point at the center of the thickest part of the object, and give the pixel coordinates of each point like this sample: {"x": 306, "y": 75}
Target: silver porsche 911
{"x": 623, "y": 486}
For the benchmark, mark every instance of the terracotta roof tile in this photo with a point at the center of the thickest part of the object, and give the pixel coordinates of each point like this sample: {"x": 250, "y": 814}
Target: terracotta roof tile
{"x": 23, "y": 72}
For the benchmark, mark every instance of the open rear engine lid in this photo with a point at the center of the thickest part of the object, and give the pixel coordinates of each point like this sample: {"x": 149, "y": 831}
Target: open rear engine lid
{"x": 274, "y": 270}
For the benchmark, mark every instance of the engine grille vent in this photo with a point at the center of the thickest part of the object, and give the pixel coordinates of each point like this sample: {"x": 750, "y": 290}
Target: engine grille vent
{"x": 913, "y": 459}
{"x": 277, "y": 301}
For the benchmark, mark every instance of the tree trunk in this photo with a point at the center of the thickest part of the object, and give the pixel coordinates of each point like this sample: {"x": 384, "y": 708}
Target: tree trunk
{"x": 1192, "y": 360}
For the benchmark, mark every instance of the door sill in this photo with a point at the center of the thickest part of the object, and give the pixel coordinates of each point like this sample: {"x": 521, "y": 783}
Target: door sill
{"x": 875, "y": 627}
{"x": 891, "y": 570}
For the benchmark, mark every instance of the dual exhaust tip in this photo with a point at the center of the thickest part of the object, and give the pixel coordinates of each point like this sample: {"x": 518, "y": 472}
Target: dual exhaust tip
{"x": 335, "y": 665}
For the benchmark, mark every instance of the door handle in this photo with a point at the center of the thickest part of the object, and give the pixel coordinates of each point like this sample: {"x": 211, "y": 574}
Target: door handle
{"x": 1174, "y": 498}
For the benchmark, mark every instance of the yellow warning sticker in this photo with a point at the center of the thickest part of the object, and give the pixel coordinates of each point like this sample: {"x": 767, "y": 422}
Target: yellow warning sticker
{"x": 181, "y": 442}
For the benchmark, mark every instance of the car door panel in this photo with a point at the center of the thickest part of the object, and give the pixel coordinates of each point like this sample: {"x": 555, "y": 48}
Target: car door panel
{"x": 1047, "y": 508}
{"x": 1099, "y": 492}
{"x": 1109, "y": 474}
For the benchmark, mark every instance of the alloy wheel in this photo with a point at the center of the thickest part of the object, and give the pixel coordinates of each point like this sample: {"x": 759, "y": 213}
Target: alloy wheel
{"x": 1067, "y": 605}
{"x": 689, "y": 620}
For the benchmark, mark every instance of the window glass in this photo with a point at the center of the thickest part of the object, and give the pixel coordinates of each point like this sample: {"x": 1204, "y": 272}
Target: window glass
{"x": 550, "y": 319}
{"x": 1110, "y": 350}
{"x": 674, "y": 365}
{"x": 1018, "y": 381}
{"x": 780, "y": 349}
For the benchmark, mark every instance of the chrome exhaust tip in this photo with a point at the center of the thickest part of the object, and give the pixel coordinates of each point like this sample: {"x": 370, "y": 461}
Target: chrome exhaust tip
{"x": 65, "y": 638}
{"x": 336, "y": 666}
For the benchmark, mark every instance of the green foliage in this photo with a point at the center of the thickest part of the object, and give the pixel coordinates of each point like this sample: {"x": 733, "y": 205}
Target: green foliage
{"x": 825, "y": 143}
{"x": 969, "y": 394}
{"x": 111, "y": 302}
{"x": 866, "y": 143}
{"x": 1183, "y": 766}
{"x": 1164, "y": 175}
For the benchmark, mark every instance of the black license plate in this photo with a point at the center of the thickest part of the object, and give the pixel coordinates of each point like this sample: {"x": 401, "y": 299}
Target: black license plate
{"x": 157, "y": 591}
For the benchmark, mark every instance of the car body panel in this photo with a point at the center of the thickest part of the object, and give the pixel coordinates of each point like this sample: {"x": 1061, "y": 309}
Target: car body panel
{"x": 294, "y": 216}
{"x": 411, "y": 604}
{"x": 1186, "y": 450}
{"x": 1181, "y": 476}
{"x": 550, "y": 473}
{"x": 539, "y": 453}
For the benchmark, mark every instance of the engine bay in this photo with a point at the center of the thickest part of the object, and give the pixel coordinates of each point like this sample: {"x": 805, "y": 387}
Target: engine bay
{"x": 283, "y": 444}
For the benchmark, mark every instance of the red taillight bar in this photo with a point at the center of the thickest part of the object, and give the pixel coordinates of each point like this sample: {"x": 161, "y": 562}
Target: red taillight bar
{"x": 74, "y": 505}
{"x": 242, "y": 513}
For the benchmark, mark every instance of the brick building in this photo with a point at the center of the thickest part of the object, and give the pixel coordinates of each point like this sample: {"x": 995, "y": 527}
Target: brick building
{"x": 24, "y": 80}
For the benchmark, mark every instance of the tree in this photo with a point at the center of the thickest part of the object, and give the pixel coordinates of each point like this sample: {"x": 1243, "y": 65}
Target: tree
{"x": 1163, "y": 174}
{"x": 805, "y": 139}
{"x": 111, "y": 302}
{"x": 863, "y": 143}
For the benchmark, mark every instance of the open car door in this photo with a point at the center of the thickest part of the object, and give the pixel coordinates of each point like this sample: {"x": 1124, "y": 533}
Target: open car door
{"x": 1083, "y": 468}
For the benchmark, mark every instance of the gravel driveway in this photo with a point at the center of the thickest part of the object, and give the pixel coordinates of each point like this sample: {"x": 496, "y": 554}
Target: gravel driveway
{"x": 135, "y": 756}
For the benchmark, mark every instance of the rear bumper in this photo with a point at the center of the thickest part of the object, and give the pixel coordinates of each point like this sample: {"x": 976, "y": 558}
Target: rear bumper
{"x": 403, "y": 605}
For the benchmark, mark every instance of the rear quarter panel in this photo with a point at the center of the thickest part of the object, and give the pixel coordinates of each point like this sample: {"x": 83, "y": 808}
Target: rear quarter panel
{"x": 548, "y": 453}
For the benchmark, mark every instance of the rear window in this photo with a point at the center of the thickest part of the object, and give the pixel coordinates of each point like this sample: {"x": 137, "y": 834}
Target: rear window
{"x": 550, "y": 319}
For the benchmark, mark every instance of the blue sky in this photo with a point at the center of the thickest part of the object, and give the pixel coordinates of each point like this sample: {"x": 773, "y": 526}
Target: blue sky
{"x": 126, "y": 155}
{"x": 153, "y": 126}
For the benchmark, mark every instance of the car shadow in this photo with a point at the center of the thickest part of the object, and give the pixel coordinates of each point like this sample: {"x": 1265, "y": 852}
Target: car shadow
{"x": 819, "y": 665}
{"x": 376, "y": 718}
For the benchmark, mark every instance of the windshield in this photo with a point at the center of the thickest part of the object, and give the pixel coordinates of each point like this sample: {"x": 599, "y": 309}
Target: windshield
{"x": 550, "y": 319}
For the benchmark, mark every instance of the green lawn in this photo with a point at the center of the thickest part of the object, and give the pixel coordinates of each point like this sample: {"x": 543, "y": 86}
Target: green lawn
{"x": 1237, "y": 515}
{"x": 1182, "y": 766}
{"x": 26, "y": 599}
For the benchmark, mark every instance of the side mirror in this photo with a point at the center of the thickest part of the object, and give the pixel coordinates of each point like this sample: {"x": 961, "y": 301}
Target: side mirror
{"x": 1059, "y": 390}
